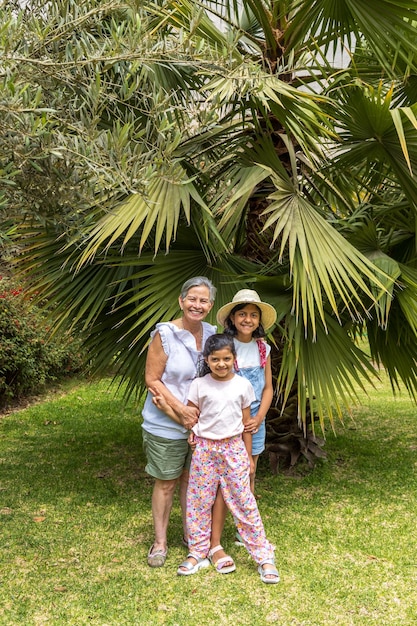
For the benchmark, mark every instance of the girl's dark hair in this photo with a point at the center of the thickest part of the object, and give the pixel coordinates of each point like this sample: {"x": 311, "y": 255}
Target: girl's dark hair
{"x": 231, "y": 330}
{"x": 213, "y": 343}
{"x": 218, "y": 342}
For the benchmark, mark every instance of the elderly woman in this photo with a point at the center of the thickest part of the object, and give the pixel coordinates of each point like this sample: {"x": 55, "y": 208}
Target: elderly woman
{"x": 173, "y": 359}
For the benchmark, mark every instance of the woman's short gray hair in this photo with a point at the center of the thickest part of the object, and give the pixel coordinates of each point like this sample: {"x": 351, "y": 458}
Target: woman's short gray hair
{"x": 198, "y": 281}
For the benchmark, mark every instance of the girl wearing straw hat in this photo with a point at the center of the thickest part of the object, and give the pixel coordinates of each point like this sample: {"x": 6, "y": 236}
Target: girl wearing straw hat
{"x": 246, "y": 318}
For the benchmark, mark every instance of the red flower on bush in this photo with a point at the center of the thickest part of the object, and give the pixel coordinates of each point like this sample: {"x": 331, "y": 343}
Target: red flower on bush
{"x": 15, "y": 291}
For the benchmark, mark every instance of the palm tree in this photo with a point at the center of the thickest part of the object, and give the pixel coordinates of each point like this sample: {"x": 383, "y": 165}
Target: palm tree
{"x": 226, "y": 139}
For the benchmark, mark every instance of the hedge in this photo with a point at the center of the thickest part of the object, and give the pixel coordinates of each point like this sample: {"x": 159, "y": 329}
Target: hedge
{"x": 30, "y": 357}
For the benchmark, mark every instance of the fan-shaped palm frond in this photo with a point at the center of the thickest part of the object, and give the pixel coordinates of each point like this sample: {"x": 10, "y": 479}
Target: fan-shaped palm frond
{"x": 237, "y": 138}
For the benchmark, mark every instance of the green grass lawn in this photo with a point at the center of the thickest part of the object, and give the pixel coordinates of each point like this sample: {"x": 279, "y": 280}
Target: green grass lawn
{"x": 76, "y": 525}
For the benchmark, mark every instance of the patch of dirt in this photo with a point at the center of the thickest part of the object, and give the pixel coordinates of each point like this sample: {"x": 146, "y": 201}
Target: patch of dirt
{"x": 25, "y": 402}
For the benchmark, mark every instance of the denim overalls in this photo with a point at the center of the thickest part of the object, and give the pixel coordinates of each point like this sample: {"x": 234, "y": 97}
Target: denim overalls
{"x": 256, "y": 376}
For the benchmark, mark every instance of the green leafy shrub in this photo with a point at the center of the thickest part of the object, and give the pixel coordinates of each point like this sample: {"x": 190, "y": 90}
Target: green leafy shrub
{"x": 29, "y": 357}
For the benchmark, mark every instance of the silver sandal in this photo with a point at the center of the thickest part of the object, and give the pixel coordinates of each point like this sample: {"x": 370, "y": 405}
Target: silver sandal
{"x": 271, "y": 571}
{"x": 187, "y": 569}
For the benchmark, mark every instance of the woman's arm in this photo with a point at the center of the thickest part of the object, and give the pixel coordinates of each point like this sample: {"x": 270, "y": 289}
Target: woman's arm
{"x": 156, "y": 361}
{"x": 160, "y": 402}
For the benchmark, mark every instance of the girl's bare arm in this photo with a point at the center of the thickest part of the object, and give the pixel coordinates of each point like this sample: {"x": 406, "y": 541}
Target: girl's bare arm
{"x": 247, "y": 436}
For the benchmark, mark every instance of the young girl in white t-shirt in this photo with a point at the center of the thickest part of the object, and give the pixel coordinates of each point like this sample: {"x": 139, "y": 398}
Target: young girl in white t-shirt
{"x": 222, "y": 459}
{"x": 247, "y": 318}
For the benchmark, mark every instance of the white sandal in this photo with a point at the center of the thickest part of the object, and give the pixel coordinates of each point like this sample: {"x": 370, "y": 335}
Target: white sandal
{"x": 220, "y": 565}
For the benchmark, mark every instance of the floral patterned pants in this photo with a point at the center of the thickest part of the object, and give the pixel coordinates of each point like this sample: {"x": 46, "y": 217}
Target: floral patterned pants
{"x": 223, "y": 463}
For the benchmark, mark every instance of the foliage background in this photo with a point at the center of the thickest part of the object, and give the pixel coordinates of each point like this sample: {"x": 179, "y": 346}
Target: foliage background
{"x": 30, "y": 358}
{"x": 142, "y": 143}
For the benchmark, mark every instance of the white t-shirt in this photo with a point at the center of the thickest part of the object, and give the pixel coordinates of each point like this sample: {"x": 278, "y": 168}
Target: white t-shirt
{"x": 247, "y": 353}
{"x": 221, "y": 403}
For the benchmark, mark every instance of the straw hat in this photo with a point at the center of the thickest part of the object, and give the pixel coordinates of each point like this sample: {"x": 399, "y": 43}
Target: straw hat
{"x": 248, "y": 296}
